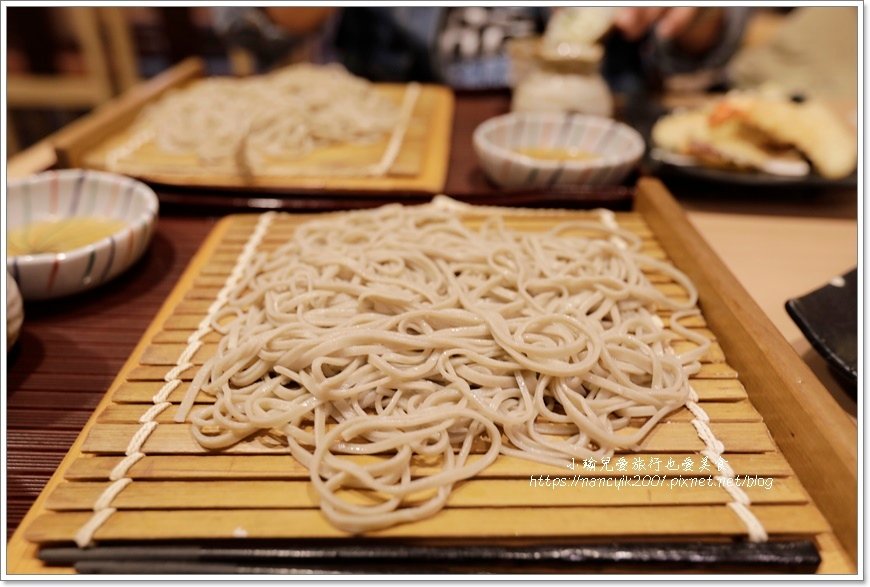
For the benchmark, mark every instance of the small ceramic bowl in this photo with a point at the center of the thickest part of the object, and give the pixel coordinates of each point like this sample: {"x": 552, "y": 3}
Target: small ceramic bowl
{"x": 617, "y": 149}
{"x": 60, "y": 195}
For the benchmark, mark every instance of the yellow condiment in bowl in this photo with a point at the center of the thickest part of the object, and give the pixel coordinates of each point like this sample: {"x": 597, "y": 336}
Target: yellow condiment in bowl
{"x": 558, "y": 154}
{"x": 61, "y": 235}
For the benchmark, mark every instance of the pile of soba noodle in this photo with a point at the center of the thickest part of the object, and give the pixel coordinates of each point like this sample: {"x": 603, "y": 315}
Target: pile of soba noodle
{"x": 283, "y": 114}
{"x": 403, "y": 333}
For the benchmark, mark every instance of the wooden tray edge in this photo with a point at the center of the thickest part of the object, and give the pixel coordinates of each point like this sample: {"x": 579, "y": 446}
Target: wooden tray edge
{"x": 814, "y": 434}
{"x": 70, "y": 145}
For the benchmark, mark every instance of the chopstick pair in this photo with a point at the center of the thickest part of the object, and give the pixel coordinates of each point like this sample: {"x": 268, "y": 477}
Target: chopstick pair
{"x": 792, "y": 556}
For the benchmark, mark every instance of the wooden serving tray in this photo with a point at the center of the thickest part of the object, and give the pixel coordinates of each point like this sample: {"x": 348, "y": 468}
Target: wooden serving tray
{"x": 419, "y": 168}
{"x": 748, "y": 385}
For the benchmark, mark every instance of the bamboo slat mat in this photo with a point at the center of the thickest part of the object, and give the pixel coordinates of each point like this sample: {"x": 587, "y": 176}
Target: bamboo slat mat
{"x": 419, "y": 166}
{"x": 181, "y": 491}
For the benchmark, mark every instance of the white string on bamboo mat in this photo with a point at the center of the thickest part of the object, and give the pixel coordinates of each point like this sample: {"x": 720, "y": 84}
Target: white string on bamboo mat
{"x": 713, "y": 450}
{"x": 102, "y": 507}
{"x": 412, "y": 93}
{"x": 713, "y": 447}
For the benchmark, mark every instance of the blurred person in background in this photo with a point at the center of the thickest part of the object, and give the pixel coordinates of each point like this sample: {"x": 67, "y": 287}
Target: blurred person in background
{"x": 464, "y": 46}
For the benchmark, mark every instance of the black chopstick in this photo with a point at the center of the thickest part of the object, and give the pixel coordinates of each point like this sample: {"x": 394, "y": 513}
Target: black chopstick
{"x": 780, "y": 556}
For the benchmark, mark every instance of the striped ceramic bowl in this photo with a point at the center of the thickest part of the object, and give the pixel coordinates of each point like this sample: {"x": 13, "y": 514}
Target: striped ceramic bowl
{"x": 61, "y": 195}
{"x": 617, "y": 147}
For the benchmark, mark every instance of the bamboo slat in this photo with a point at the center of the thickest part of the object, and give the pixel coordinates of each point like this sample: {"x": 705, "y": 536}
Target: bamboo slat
{"x": 189, "y": 313}
{"x": 578, "y": 491}
{"x": 669, "y": 437}
{"x": 182, "y": 336}
{"x": 227, "y": 253}
{"x": 157, "y": 373}
{"x": 254, "y": 467}
{"x": 460, "y": 523}
{"x": 709, "y": 390}
{"x": 739, "y": 411}
{"x": 167, "y": 354}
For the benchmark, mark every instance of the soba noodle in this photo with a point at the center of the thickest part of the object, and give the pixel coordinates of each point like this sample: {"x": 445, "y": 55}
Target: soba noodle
{"x": 283, "y": 114}
{"x": 403, "y": 333}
